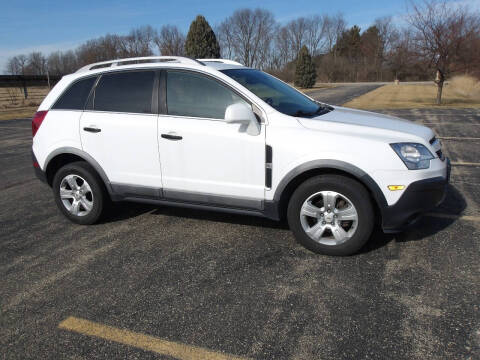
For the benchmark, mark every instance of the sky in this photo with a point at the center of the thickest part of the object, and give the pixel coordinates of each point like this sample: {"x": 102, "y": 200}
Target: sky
{"x": 36, "y": 25}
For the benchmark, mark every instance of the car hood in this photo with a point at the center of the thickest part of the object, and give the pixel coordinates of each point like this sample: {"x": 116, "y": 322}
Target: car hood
{"x": 347, "y": 116}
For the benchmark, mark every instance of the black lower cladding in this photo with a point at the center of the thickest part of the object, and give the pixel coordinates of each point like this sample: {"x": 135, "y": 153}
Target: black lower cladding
{"x": 39, "y": 173}
{"x": 419, "y": 197}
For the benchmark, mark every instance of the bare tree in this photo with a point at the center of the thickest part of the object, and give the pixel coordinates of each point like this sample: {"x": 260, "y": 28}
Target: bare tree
{"x": 387, "y": 31}
{"x": 315, "y": 34}
{"x": 291, "y": 37}
{"x": 61, "y": 63}
{"x": 297, "y": 30}
{"x": 13, "y": 67}
{"x": 138, "y": 42}
{"x": 399, "y": 55}
{"x": 100, "y": 49}
{"x": 37, "y": 64}
{"x": 334, "y": 27}
{"x": 170, "y": 41}
{"x": 283, "y": 49}
{"x": 225, "y": 37}
{"x": 440, "y": 33}
{"x": 17, "y": 65}
{"x": 249, "y": 33}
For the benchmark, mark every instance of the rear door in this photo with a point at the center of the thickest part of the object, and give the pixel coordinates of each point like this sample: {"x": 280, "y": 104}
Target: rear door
{"x": 119, "y": 129}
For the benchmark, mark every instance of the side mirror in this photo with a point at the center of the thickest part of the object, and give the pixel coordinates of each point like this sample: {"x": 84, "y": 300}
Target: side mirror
{"x": 241, "y": 113}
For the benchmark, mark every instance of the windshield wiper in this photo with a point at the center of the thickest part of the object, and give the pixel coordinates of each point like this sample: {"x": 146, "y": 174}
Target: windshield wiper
{"x": 322, "y": 109}
{"x": 301, "y": 113}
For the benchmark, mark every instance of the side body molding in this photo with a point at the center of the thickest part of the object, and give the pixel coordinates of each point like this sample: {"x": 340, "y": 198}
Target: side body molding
{"x": 86, "y": 157}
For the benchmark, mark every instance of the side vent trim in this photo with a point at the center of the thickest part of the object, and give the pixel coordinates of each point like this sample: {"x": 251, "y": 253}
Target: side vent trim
{"x": 268, "y": 166}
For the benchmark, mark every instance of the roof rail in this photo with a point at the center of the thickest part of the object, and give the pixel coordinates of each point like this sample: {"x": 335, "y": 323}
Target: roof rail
{"x": 138, "y": 60}
{"x": 222, "y": 61}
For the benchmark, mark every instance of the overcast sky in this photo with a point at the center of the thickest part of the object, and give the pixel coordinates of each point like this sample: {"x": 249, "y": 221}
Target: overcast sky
{"x": 36, "y": 25}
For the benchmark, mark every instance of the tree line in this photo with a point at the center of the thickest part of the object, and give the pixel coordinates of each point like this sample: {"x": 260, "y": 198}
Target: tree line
{"x": 438, "y": 39}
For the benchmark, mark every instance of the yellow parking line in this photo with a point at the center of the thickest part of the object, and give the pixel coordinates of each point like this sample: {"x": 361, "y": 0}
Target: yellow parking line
{"x": 459, "y": 217}
{"x": 142, "y": 341}
{"x": 462, "y": 163}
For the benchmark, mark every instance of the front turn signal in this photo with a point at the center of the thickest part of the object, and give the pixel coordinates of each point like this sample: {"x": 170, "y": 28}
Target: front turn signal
{"x": 396, "y": 187}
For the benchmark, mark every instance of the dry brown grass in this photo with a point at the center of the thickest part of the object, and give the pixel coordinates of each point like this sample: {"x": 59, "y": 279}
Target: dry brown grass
{"x": 18, "y": 113}
{"x": 467, "y": 86}
{"x": 405, "y": 96}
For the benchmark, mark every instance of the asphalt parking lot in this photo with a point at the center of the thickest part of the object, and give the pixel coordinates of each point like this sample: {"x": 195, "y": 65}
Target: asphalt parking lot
{"x": 343, "y": 93}
{"x": 160, "y": 283}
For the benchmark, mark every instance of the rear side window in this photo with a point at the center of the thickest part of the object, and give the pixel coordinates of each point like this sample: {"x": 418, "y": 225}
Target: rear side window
{"x": 198, "y": 96}
{"x": 76, "y": 95}
{"x": 125, "y": 92}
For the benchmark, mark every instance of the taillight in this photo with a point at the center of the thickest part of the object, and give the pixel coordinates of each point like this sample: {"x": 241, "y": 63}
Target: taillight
{"x": 37, "y": 121}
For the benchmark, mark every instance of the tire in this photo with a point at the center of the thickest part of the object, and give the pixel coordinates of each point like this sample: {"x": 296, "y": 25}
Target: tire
{"x": 84, "y": 195}
{"x": 341, "y": 231}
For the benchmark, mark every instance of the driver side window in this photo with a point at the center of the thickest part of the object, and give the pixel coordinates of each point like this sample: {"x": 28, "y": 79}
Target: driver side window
{"x": 195, "y": 95}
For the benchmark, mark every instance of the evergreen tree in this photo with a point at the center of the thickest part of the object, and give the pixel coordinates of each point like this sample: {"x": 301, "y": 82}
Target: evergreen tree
{"x": 348, "y": 45}
{"x": 201, "y": 41}
{"x": 305, "y": 74}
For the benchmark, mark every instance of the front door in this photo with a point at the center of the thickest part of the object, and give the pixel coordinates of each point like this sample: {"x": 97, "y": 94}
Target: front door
{"x": 203, "y": 158}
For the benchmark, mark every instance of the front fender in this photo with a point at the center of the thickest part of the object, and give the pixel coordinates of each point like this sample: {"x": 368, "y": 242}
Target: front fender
{"x": 348, "y": 168}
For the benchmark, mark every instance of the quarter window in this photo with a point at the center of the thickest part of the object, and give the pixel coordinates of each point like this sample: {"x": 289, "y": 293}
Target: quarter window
{"x": 76, "y": 95}
{"x": 195, "y": 95}
{"x": 125, "y": 92}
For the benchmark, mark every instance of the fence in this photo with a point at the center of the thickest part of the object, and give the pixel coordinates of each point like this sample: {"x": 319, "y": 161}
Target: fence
{"x": 18, "y": 91}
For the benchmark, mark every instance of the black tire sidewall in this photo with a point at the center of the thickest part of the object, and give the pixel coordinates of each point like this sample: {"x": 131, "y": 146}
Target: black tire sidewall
{"x": 350, "y": 188}
{"x": 88, "y": 173}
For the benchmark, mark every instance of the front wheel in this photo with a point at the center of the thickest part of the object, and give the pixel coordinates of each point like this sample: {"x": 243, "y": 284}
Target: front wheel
{"x": 331, "y": 214}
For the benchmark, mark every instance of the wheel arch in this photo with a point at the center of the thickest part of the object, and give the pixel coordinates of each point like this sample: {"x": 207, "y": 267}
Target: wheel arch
{"x": 305, "y": 171}
{"x": 65, "y": 155}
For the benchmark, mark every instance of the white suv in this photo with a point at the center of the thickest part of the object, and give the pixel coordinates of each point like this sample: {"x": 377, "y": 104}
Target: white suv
{"x": 213, "y": 134}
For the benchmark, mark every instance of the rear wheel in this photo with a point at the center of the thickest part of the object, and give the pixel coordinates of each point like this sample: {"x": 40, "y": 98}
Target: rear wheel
{"x": 331, "y": 214}
{"x": 79, "y": 193}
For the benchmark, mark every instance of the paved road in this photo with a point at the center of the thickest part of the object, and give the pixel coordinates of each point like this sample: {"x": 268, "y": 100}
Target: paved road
{"x": 341, "y": 94}
{"x": 235, "y": 284}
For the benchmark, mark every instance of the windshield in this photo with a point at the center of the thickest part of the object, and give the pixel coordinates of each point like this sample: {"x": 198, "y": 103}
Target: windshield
{"x": 277, "y": 94}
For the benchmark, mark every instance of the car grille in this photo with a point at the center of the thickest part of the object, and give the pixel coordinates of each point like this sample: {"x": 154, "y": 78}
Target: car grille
{"x": 440, "y": 155}
{"x": 439, "y": 152}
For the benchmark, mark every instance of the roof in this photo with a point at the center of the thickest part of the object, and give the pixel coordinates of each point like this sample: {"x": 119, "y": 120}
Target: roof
{"x": 218, "y": 64}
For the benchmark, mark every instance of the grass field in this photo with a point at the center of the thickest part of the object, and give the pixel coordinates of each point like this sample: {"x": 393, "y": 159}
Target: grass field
{"x": 18, "y": 113}
{"x": 408, "y": 96}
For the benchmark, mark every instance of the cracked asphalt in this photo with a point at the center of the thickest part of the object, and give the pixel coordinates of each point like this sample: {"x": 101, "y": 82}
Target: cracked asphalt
{"x": 235, "y": 284}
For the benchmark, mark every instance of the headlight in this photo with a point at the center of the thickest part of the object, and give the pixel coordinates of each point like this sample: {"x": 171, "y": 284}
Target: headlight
{"x": 415, "y": 156}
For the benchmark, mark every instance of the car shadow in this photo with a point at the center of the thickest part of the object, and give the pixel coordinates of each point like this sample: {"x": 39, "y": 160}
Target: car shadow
{"x": 453, "y": 205}
{"x": 427, "y": 225}
{"x": 221, "y": 217}
{"x": 441, "y": 217}
{"x": 123, "y": 210}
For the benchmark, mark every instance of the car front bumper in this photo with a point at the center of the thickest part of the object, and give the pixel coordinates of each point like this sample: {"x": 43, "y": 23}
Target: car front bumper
{"x": 420, "y": 197}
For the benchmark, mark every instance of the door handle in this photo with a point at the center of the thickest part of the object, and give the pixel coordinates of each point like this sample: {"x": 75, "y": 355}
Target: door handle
{"x": 171, "y": 136}
{"x": 92, "y": 129}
